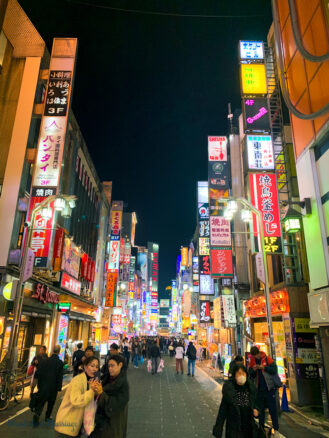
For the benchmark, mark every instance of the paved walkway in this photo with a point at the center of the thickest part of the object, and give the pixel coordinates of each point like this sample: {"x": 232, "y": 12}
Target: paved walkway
{"x": 164, "y": 405}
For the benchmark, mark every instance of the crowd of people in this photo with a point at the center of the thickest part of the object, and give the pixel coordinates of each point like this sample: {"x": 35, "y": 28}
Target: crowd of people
{"x": 96, "y": 400}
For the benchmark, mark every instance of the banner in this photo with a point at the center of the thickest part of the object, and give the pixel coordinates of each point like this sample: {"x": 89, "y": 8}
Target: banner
{"x": 220, "y": 231}
{"x": 221, "y": 262}
{"x": 264, "y": 196}
{"x": 112, "y": 278}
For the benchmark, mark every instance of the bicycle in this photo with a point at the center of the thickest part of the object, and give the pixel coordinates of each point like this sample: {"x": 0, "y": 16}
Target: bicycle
{"x": 11, "y": 386}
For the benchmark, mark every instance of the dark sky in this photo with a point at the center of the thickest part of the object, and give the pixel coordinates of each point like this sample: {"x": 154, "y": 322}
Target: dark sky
{"x": 149, "y": 89}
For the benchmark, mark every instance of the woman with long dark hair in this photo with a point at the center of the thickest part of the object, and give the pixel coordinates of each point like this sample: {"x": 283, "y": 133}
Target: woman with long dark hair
{"x": 112, "y": 412}
{"x": 238, "y": 407}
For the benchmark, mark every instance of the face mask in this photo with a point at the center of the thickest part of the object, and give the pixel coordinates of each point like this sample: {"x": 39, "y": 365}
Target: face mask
{"x": 241, "y": 380}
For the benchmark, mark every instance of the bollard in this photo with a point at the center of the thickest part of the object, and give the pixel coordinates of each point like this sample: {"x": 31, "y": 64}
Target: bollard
{"x": 284, "y": 400}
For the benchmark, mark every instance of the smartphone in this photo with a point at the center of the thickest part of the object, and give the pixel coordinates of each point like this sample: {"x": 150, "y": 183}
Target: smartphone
{"x": 97, "y": 376}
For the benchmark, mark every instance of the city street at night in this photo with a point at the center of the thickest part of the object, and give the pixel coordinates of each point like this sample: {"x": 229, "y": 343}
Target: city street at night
{"x": 164, "y": 218}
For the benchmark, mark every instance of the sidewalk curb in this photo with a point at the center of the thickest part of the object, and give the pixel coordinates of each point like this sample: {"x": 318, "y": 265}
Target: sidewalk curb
{"x": 204, "y": 372}
{"x": 311, "y": 420}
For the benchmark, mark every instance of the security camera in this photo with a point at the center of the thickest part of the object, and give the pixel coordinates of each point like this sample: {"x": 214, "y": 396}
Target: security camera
{"x": 27, "y": 224}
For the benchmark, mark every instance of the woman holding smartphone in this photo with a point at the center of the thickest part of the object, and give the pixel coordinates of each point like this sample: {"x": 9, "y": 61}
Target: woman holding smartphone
{"x": 80, "y": 392}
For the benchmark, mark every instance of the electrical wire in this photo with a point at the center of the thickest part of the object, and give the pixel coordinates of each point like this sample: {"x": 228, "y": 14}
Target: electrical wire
{"x": 166, "y": 14}
{"x": 292, "y": 108}
{"x": 298, "y": 38}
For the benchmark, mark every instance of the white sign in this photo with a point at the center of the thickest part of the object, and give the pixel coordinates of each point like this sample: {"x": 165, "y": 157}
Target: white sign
{"x": 260, "y": 270}
{"x": 206, "y": 285}
{"x": 307, "y": 356}
{"x": 220, "y": 231}
{"x": 260, "y": 152}
{"x": 50, "y": 151}
{"x": 217, "y": 148}
{"x": 251, "y": 50}
{"x": 28, "y": 271}
{"x": 114, "y": 259}
{"x": 229, "y": 309}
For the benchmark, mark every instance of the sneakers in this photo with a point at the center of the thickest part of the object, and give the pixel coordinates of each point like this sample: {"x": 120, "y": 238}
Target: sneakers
{"x": 188, "y": 374}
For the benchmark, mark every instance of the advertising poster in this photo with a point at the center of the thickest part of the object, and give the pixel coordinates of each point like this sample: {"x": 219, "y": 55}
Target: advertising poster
{"x": 217, "y": 148}
{"x": 218, "y": 174}
{"x": 217, "y": 313}
{"x": 305, "y": 348}
{"x": 206, "y": 285}
{"x": 260, "y": 152}
{"x": 203, "y": 210}
{"x": 71, "y": 258}
{"x": 221, "y": 262}
{"x": 256, "y": 115}
{"x": 264, "y": 196}
{"x": 62, "y": 334}
{"x": 220, "y": 231}
{"x": 205, "y": 312}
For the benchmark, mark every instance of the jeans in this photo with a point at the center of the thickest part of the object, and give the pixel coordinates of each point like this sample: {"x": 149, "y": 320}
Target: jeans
{"x": 191, "y": 364}
{"x": 268, "y": 399}
{"x": 155, "y": 364}
{"x": 179, "y": 364}
{"x": 136, "y": 360}
{"x": 127, "y": 357}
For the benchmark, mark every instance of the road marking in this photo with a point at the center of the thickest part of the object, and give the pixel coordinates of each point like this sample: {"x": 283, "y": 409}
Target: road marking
{"x": 23, "y": 410}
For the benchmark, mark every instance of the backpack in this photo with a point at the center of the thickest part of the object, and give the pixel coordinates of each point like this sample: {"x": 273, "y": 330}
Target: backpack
{"x": 192, "y": 353}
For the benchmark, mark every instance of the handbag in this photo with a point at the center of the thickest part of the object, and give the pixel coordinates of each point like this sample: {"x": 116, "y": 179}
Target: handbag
{"x": 258, "y": 430}
{"x": 89, "y": 417}
{"x": 30, "y": 370}
{"x": 275, "y": 378}
{"x": 33, "y": 401}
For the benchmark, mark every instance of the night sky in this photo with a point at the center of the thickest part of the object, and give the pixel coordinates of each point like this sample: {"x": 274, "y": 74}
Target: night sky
{"x": 149, "y": 89}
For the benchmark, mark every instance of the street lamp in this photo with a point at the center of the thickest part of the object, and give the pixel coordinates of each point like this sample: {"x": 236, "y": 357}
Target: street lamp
{"x": 46, "y": 212}
{"x": 248, "y": 207}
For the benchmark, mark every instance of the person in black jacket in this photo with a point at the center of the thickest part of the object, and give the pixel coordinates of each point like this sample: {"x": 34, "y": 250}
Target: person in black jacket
{"x": 191, "y": 354}
{"x": 76, "y": 359}
{"x": 112, "y": 412}
{"x": 155, "y": 357}
{"x": 238, "y": 407}
{"x": 238, "y": 360}
{"x": 50, "y": 378}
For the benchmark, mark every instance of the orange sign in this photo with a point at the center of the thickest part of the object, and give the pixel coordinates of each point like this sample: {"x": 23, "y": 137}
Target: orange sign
{"x": 112, "y": 278}
{"x": 256, "y": 307}
{"x": 184, "y": 254}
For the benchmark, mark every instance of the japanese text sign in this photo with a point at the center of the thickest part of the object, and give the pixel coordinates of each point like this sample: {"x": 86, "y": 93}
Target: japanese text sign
{"x": 204, "y": 265}
{"x": 260, "y": 152}
{"x": 217, "y": 148}
{"x": 220, "y": 231}
{"x": 114, "y": 260}
{"x": 204, "y": 228}
{"x": 41, "y": 234}
{"x": 251, "y": 50}
{"x": 204, "y": 246}
{"x": 116, "y": 224}
{"x": 58, "y": 93}
{"x": 205, "y": 316}
{"x": 256, "y": 114}
{"x": 206, "y": 285}
{"x": 229, "y": 310}
{"x": 221, "y": 262}
{"x": 218, "y": 174}
{"x": 253, "y": 79}
{"x": 112, "y": 278}
{"x": 71, "y": 284}
{"x": 264, "y": 197}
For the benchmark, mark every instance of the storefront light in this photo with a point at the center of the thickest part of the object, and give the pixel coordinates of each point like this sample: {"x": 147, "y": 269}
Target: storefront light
{"x": 228, "y": 214}
{"x": 246, "y": 215}
{"x": 67, "y": 212}
{"x": 292, "y": 225}
{"x": 46, "y": 213}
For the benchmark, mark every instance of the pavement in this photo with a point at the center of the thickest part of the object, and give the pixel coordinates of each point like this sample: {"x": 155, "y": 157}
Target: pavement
{"x": 161, "y": 405}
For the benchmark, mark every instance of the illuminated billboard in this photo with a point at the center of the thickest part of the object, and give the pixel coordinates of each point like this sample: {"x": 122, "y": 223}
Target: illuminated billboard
{"x": 251, "y": 50}
{"x": 253, "y": 79}
{"x": 221, "y": 262}
{"x": 260, "y": 152}
{"x": 256, "y": 115}
{"x": 217, "y": 148}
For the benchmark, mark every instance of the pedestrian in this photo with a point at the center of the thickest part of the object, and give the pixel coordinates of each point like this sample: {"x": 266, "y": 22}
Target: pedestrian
{"x": 238, "y": 360}
{"x": 136, "y": 353}
{"x": 126, "y": 352}
{"x": 41, "y": 356}
{"x": 76, "y": 359}
{"x": 79, "y": 368}
{"x": 155, "y": 356}
{"x": 80, "y": 392}
{"x": 262, "y": 369}
{"x": 179, "y": 357}
{"x": 238, "y": 407}
{"x": 171, "y": 349}
{"x": 113, "y": 397}
{"x": 191, "y": 355}
{"x": 144, "y": 348}
{"x": 49, "y": 375}
{"x": 114, "y": 349}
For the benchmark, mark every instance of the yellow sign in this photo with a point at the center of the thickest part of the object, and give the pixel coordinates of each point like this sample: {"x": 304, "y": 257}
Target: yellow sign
{"x": 302, "y": 325}
{"x": 253, "y": 79}
{"x": 217, "y": 313}
{"x": 184, "y": 254}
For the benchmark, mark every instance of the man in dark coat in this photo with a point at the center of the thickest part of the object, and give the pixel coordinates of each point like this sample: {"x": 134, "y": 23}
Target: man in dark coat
{"x": 50, "y": 379}
{"x": 76, "y": 359}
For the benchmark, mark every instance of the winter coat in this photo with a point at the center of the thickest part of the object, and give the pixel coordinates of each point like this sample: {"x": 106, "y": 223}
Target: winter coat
{"x": 191, "y": 352}
{"x": 112, "y": 412}
{"x": 70, "y": 413}
{"x": 50, "y": 377}
{"x": 155, "y": 351}
{"x": 230, "y": 413}
{"x": 133, "y": 352}
{"x": 270, "y": 369}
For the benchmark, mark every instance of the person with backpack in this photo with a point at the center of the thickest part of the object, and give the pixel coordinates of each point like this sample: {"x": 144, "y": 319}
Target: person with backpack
{"x": 264, "y": 372}
{"x": 191, "y": 355}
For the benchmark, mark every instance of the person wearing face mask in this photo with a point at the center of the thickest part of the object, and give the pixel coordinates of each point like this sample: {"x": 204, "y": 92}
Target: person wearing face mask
{"x": 113, "y": 392}
{"x": 80, "y": 392}
{"x": 238, "y": 407}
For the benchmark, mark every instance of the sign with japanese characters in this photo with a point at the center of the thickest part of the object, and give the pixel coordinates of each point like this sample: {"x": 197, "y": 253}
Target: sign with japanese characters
{"x": 217, "y": 312}
{"x": 204, "y": 228}
{"x": 71, "y": 284}
{"x": 116, "y": 223}
{"x": 71, "y": 258}
{"x": 264, "y": 196}
{"x": 253, "y": 79}
{"x": 205, "y": 316}
{"x": 184, "y": 254}
{"x": 204, "y": 246}
{"x": 218, "y": 174}
{"x": 221, "y": 262}
{"x": 229, "y": 310}
{"x": 204, "y": 265}
{"x": 112, "y": 278}
{"x": 114, "y": 260}
{"x": 58, "y": 93}
{"x": 251, "y": 50}
{"x": 260, "y": 152}
{"x": 256, "y": 115}
{"x": 206, "y": 285}
{"x": 220, "y": 231}
{"x": 217, "y": 148}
